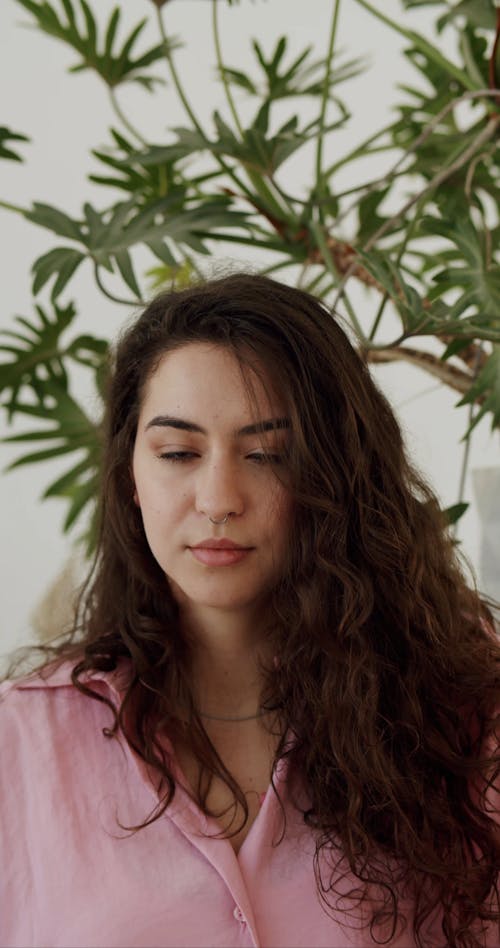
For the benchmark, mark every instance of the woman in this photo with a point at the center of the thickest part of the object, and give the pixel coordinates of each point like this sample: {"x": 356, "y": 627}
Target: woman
{"x": 275, "y": 725}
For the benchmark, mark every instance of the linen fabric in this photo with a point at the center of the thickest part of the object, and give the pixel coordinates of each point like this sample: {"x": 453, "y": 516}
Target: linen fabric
{"x": 74, "y": 875}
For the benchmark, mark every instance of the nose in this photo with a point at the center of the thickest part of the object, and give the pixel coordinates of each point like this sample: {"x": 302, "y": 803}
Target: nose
{"x": 219, "y": 490}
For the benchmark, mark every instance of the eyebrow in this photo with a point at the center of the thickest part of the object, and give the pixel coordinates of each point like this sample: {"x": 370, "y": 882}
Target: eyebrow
{"x": 169, "y": 421}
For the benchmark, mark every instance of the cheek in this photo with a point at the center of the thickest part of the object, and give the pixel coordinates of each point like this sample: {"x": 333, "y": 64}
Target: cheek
{"x": 280, "y": 510}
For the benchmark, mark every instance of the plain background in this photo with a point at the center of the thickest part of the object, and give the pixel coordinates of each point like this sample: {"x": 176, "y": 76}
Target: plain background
{"x": 66, "y": 115}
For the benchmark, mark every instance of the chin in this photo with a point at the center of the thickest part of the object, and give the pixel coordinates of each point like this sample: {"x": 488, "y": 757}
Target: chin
{"x": 220, "y": 591}
{"x": 224, "y": 603}
{"x": 223, "y": 599}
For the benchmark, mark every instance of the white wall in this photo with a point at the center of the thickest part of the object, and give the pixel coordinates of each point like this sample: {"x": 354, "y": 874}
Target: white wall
{"x": 65, "y": 116}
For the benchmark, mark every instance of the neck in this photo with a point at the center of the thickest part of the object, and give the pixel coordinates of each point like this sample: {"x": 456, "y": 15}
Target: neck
{"x": 232, "y": 720}
{"x": 225, "y": 667}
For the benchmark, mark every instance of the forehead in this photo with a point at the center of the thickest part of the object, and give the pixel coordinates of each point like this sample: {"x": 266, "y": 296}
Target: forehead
{"x": 207, "y": 377}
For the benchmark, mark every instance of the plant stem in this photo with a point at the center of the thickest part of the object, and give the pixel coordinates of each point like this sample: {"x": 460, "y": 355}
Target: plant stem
{"x": 360, "y": 150}
{"x": 220, "y": 66}
{"x": 366, "y": 186}
{"x": 468, "y": 441}
{"x": 378, "y": 317}
{"x": 196, "y": 268}
{"x": 123, "y": 118}
{"x": 175, "y": 76}
{"x": 385, "y": 298}
{"x": 317, "y": 230}
{"x": 13, "y": 207}
{"x": 110, "y": 296}
{"x": 281, "y": 265}
{"x": 464, "y": 467}
{"x": 352, "y": 316}
{"x": 324, "y": 100}
{"x": 268, "y": 244}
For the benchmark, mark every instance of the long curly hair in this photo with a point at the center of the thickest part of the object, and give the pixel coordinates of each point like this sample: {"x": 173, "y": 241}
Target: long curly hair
{"x": 388, "y": 672}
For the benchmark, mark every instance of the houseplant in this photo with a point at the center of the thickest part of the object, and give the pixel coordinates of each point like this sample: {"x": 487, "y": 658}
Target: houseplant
{"x": 421, "y": 236}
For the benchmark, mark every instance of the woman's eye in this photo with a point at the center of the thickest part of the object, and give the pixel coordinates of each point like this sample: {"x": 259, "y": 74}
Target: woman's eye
{"x": 266, "y": 458}
{"x": 177, "y": 455}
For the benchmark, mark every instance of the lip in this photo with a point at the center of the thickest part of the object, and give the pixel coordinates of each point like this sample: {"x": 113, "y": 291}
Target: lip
{"x": 221, "y": 552}
{"x": 223, "y": 544}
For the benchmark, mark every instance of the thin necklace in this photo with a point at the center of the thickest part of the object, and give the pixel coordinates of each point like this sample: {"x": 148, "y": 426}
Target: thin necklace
{"x": 215, "y": 717}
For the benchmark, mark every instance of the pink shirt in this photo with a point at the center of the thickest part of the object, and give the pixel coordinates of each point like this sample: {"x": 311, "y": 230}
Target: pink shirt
{"x": 71, "y": 877}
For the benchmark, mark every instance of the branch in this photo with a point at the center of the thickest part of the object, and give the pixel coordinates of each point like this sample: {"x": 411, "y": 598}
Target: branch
{"x": 455, "y": 378}
{"x": 472, "y": 355}
{"x": 346, "y": 260}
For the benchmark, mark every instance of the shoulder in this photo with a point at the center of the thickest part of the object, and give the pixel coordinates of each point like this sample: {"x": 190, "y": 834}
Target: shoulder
{"x": 51, "y": 676}
{"x": 55, "y": 679}
{"x": 44, "y": 707}
{"x": 52, "y": 735}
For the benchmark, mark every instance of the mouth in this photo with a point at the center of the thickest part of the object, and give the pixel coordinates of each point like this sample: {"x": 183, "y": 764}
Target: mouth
{"x": 223, "y": 544}
{"x": 219, "y": 553}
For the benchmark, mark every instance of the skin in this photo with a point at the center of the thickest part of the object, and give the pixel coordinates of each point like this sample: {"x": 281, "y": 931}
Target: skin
{"x": 183, "y": 477}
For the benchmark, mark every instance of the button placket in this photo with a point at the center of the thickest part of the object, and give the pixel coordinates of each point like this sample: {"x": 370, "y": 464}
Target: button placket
{"x": 238, "y": 914}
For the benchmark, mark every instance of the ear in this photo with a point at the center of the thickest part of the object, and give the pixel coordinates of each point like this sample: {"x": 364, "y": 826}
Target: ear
{"x": 135, "y": 495}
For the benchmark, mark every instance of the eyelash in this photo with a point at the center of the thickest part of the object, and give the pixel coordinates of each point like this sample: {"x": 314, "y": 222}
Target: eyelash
{"x": 183, "y": 456}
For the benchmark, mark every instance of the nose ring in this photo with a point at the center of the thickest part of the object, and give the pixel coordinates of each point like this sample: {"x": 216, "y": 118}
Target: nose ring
{"x": 218, "y": 522}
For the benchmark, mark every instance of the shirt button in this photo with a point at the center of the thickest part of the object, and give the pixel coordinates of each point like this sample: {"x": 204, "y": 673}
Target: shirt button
{"x": 238, "y": 914}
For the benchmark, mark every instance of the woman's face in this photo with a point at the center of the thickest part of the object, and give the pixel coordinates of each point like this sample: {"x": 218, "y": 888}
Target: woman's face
{"x": 200, "y": 453}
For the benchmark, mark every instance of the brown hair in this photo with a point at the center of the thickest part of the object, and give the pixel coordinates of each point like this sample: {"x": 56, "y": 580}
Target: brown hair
{"x": 388, "y": 663}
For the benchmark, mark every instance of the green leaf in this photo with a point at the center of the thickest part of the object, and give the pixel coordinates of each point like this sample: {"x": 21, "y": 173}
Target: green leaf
{"x": 237, "y": 78}
{"x": 37, "y": 356}
{"x": 109, "y": 38}
{"x": 301, "y": 77}
{"x": 88, "y": 350}
{"x": 475, "y": 52}
{"x": 37, "y": 359}
{"x": 55, "y": 220}
{"x": 7, "y": 135}
{"x": 257, "y": 151}
{"x": 161, "y": 250}
{"x": 62, "y": 261}
{"x": 124, "y": 264}
{"x": 468, "y": 267}
{"x": 178, "y": 276}
{"x": 405, "y": 297}
{"x": 486, "y": 388}
{"x": 431, "y": 52}
{"x": 409, "y": 4}
{"x": 90, "y": 23}
{"x": 65, "y": 483}
{"x": 114, "y": 66}
{"x": 70, "y": 431}
{"x": 81, "y": 495}
{"x": 454, "y": 513}
{"x": 107, "y": 237}
{"x": 369, "y": 219}
{"x": 480, "y": 13}
{"x": 148, "y": 175}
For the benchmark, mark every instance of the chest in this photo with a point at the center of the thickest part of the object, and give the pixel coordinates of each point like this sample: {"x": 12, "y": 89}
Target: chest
{"x": 248, "y": 754}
